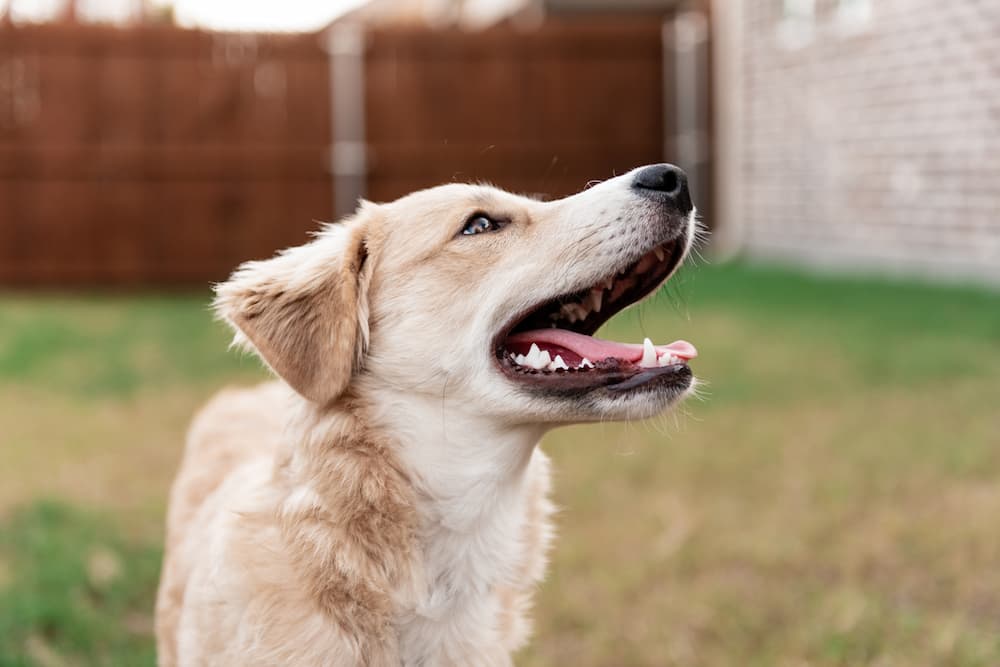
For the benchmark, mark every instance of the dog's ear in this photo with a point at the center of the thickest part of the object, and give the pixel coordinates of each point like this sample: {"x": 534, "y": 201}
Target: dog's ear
{"x": 305, "y": 311}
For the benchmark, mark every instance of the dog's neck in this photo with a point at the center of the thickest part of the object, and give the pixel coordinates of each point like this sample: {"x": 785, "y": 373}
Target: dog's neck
{"x": 460, "y": 463}
{"x": 443, "y": 511}
{"x": 474, "y": 492}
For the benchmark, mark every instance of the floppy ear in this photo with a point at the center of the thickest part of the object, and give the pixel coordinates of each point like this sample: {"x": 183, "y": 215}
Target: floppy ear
{"x": 305, "y": 311}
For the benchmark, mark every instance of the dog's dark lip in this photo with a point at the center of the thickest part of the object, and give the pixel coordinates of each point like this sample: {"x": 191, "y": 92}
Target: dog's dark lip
{"x": 611, "y": 374}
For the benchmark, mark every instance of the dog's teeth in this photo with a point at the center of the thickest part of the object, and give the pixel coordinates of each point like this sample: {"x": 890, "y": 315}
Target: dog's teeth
{"x": 585, "y": 363}
{"x": 595, "y": 301}
{"x": 558, "y": 363}
{"x": 536, "y": 358}
{"x": 609, "y": 283}
{"x": 531, "y": 359}
{"x": 666, "y": 359}
{"x": 648, "y": 354}
{"x": 658, "y": 251}
{"x": 575, "y": 311}
{"x": 520, "y": 360}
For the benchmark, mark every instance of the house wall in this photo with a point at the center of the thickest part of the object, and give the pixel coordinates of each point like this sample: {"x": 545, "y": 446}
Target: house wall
{"x": 867, "y": 144}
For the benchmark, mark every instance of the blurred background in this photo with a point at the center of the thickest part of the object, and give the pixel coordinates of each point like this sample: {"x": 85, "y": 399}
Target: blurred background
{"x": 829, "y": 499}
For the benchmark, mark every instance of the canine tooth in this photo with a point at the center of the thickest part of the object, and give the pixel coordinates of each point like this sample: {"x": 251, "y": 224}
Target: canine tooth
{"x": 558, "y": 363}
{"x": 585, "y": 363}
{"x": 659, "y": 253}
{"x": 595, "y": 301}
{"x": 648, "y": 354}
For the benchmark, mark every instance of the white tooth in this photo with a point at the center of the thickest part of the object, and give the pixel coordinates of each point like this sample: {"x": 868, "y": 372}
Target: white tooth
{"x": 582, "y": 312}
{"x": 666, "y": 359}
{"x": 585, "y": 363}
{"x": 648, "y": 354}
{"x": 573, "y": 312}
{"x": 595, "y": 301}
{"x": 609, "y": 283}
{"x": 659, "y": 253}
{"x": 543, "y": 360}
{"x": 558, "y": 363}
{"x": 531, "y": 359}
{"x": 520, "y": 360}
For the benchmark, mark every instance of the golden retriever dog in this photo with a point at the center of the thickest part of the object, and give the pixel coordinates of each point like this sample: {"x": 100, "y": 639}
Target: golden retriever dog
{"x": 385, "y": 502}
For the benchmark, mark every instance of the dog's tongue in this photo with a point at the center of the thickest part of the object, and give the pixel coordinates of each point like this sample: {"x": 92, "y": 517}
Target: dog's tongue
{"x": 595, "y": 348}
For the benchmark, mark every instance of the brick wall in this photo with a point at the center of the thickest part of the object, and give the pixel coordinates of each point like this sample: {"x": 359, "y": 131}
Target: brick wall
{"x": 873, "y": 145}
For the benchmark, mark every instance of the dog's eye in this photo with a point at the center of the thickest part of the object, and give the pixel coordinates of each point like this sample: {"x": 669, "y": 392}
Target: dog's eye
{"x": 479, "y": 223}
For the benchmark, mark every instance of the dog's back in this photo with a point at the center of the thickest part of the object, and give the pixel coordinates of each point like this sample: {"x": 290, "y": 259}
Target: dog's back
{"x": 236, "y": 427}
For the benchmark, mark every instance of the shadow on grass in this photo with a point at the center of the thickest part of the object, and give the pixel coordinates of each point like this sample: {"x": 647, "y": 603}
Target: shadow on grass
{"x": 74, "y": 590}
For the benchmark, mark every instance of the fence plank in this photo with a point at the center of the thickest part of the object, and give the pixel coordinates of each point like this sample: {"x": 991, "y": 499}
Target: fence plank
{"x": 158, "y": 156}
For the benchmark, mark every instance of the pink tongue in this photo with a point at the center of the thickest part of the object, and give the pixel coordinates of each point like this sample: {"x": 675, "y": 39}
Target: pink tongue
{"x": 596, "y": 349}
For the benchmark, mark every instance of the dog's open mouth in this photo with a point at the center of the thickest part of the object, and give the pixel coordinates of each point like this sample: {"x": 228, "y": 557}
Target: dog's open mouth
{"x": 552, "y": 345}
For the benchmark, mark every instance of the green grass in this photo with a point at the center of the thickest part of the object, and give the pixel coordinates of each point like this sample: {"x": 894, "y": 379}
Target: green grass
{"x": 98, "y": 346}
{"x": 73, "y": 588}
{"x": 830, "y": 499}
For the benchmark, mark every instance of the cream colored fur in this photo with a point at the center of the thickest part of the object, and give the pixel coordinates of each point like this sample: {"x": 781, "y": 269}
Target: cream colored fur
{"x": 384, "y": 502}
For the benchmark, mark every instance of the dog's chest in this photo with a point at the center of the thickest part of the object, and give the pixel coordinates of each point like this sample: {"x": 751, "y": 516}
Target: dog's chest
{"x": 479, "y": 567}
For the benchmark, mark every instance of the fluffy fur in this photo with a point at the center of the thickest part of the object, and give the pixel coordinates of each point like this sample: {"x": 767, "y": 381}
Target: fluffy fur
{"x": 385, "y": 503}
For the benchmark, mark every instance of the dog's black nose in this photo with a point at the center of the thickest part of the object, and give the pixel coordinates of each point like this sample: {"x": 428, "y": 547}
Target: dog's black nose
{"x": 664, "y": 182}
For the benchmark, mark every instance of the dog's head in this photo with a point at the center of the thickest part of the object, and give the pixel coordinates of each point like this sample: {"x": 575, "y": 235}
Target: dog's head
{"x": 469, "y": 293}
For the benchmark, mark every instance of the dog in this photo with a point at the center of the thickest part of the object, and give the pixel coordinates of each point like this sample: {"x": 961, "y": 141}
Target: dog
{"x": 383, "y": 502}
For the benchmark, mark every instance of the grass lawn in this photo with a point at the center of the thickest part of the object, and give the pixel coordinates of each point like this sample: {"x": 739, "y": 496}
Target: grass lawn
{"x": 831, "y": 499}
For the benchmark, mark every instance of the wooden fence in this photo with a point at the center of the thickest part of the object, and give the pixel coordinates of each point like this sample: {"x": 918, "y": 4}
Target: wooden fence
{"x": 158, "y": 156}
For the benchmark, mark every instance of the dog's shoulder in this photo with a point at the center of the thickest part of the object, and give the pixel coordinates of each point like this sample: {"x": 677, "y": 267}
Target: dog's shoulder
{"x": 240, "y": 412}
{"x": 317, "y": 540}
{"x": 238, "y": 424}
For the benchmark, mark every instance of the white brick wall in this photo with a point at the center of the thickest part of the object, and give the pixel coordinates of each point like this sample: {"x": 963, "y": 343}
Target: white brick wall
{"x": 877, "y": 148}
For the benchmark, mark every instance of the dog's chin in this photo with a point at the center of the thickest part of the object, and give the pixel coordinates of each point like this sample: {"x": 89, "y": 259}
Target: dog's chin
{"x": 643, "y": 398}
